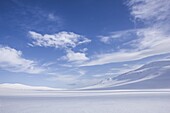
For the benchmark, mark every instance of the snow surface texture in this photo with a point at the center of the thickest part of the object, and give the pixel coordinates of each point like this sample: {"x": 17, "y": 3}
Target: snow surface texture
{"x": 94, "y": 101}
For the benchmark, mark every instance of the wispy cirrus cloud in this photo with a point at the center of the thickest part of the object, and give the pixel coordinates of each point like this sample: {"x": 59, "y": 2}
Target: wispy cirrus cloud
{"x": 34, "y": 17}
{"x": 12, "y": 60}
{"x": 150, "y": 11}
{"x": 59, "y": 40}
{"x": 118, "y": 35}
{"x": 152, "y": 39}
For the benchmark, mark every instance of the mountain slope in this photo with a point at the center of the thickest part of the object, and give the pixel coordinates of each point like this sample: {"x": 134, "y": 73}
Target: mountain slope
{"x": 24, "y": 87}
{"x": 152, "y": 75}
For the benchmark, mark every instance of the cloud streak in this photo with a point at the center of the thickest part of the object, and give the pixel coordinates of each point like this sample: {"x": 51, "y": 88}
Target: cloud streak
{"x": 152, "y": 39}
{"x": 117, "y": 35}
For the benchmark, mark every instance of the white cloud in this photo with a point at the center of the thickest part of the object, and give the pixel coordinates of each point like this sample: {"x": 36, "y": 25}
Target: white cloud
{"x": 59, "y": 40}
{"x": 65, "y": 65}
{"x": 82, "y": 72}
{"x": 83, "y": 50}
{"x": 152, "y": 39}
{"x": 72, "y": 56}
{"x": 150, "y": 10}
{"x": 12, "y": 60}
{"x": 117, "y": 35}
{"x": 104, "y": 39}
{"x": 53, "y": 17}
{"x": 156, "y": 48}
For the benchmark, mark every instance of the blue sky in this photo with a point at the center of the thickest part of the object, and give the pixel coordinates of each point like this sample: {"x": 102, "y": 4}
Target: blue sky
{"x": 62, "y": 43}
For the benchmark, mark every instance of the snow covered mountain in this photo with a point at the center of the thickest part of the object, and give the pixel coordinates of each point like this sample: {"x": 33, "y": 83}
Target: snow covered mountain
{"x": 24, "y": 87}
{"x": 152, "y": 75}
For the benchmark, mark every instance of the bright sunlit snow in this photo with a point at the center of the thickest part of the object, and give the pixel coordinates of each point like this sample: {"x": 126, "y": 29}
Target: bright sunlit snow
{"x": 119, "y": 101}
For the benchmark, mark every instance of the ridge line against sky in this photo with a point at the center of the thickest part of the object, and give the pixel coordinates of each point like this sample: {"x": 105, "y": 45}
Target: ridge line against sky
{"x": 82, "y": 46}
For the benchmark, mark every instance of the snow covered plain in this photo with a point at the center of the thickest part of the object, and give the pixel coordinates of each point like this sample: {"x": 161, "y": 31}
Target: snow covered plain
{"x": 89, "y": 101}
